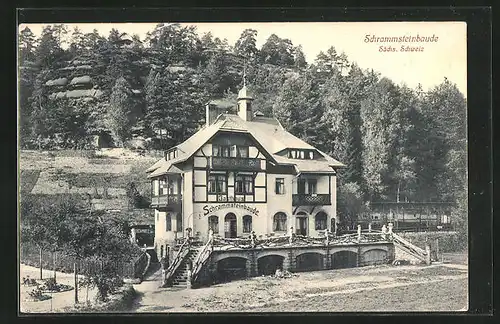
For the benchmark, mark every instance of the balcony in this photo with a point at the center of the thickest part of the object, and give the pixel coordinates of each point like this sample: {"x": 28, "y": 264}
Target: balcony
{"x": 235, "y": 163}
{"x": 311, "y": 199}
{"x": 170, "y": 201}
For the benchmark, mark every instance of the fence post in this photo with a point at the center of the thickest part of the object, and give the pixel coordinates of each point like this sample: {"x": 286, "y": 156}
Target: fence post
{"x": 75, "y": 268}
{"x": 437, "y": 249}
{"x": 428, "y": 254}
{"x": 359, "y": 233}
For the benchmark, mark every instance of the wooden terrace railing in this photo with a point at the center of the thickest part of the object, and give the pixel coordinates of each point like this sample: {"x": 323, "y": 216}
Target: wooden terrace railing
{"x": 201, "y": 259}
{"x": 181, "y": 254}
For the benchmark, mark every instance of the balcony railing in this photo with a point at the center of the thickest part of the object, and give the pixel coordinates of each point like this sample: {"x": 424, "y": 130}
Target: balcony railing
{"x": 166, "y": 200}
{"x": 311, "y": 199}
{"x": 235, "y": 163}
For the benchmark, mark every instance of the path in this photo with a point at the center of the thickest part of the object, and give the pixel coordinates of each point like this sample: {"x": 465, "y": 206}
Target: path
{"x": 261, "y": 293}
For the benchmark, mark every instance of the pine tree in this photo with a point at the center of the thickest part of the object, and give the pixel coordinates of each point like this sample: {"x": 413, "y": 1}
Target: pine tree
{"x": 172, "y": 43}
{"x": 446, "y": 106}
{"x": 49, "y": 53}
{"x": 297, "y": 93}
{"x": 378, "y": 137}
{"x": 246, "y": 45}
{"x": 27, "y": 76}
{"x": 174, "y": 106}
{"x": 299, "y": 57}
{"x": 119, "y": 119}
{"x": 27, "y": 46}
{"x": 277, "y": 51}
{"x": 216, "y": 77}
{"x": 77, "y": 43}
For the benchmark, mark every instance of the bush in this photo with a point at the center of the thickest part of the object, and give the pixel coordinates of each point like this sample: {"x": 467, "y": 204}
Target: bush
{"x": 37, "y": 294}
{"x": 121, "y": 301}
{"x": 51, "y": 285}
{"x": 27, "y": 281}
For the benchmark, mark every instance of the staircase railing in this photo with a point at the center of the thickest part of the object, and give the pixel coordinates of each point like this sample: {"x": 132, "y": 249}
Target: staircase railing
{"x": 409, "y": 247}
{"x": 201, "y": 259}
{"x": 181, "y": 254}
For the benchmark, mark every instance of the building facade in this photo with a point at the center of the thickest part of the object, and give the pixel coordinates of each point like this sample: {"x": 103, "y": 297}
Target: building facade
{"x": 242, "y": 172}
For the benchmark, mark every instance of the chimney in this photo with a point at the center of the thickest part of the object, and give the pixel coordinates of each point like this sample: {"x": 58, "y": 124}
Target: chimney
{"x": 211, "y": 113}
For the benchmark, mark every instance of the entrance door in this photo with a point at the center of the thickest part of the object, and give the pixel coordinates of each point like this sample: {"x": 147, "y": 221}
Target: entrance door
{"x": 302, "y": 226}
{"x": 230, "y": 228}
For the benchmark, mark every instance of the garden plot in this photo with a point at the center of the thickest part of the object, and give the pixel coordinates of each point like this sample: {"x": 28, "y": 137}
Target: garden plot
{"x": 57, "y": 301}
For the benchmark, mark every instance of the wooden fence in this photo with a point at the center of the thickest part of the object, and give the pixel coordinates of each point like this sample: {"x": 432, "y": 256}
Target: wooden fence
{"x": 30, "y": 255}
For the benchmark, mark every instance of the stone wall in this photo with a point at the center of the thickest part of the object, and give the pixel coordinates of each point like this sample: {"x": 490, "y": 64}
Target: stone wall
{"x": 366, "y": 254}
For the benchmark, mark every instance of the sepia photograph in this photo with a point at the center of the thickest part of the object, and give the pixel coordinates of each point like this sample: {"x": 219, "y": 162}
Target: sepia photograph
{"x": 211, "y": 167}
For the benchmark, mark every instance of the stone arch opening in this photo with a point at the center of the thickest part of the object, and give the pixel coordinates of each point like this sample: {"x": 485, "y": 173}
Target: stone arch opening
{"x": 344, "y": 259}
{"x": 232, "y": 268}
{"x": 267, "y": 265}
{"x": 374, "y": 257}
{"x": 309, "y": 261}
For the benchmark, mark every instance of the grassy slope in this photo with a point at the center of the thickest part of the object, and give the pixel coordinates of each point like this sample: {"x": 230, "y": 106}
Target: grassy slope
{"x": 113, "y": 168}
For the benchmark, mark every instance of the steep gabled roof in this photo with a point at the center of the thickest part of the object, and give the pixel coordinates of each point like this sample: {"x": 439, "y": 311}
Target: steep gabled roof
{"x": 268, "y": 132}
{"x": 186, "y": 149}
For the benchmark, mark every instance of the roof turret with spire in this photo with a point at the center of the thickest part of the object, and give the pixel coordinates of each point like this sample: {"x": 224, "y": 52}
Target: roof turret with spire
{"x": 245, "y": 100}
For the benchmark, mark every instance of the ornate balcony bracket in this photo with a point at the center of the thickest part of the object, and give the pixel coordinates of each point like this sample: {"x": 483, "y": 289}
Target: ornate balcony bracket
{"x": 311, "y": 199}
{"x": 233, "y": 163}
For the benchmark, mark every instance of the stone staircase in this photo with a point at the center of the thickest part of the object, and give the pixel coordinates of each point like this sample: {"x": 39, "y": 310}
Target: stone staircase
{"x": 180, "y": 276}
{"x": 409, "y": 248}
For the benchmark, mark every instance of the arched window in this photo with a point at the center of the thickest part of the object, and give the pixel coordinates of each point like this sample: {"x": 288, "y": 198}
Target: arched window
{"x": 213, "y": 223}
{"x": 320, "y": 221}
{"x": 279, "y": 222}
{"x": 247, "y": 224}
{"x": 168, "y": 222}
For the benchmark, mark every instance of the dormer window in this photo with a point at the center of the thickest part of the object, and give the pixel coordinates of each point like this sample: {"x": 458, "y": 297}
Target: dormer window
{"x": 170, "y": 155}
{"x": 301, "y": 154}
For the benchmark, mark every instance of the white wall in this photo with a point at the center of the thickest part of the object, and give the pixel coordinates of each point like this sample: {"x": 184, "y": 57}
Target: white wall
{"x": 277, "y": 202}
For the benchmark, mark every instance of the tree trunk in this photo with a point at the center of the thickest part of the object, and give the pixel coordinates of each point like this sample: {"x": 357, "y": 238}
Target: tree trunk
{"x": 76, "y": 282}
{"x": 54, "y": 262}
{"x": 40, "y": 262}
{"x": 397, "y": 195}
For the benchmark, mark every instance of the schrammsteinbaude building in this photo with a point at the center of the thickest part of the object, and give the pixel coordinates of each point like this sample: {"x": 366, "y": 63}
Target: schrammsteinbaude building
{"x": 242, "y": 172}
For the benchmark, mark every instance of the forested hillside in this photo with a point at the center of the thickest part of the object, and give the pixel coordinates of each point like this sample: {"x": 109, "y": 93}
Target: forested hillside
{"x": 398, "y": 143}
